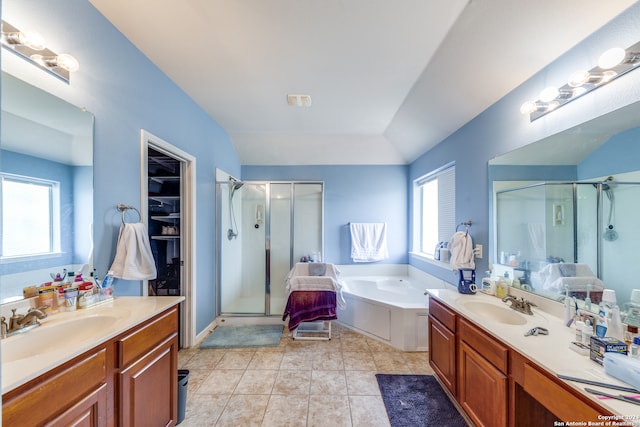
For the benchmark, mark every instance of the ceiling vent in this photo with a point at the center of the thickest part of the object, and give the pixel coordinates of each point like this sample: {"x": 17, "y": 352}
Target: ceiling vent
{"x": 298, "y": 100}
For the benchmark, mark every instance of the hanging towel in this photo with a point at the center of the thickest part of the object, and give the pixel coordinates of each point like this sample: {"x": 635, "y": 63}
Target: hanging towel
{"x": 134, "y": 260}
{"x": 369, "y": 241}
{"x": 461, "y": 248}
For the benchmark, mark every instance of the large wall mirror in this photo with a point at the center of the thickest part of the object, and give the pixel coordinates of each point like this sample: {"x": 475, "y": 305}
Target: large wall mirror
{"x": 565, "y": 211}
{"x": 46, "y": 188}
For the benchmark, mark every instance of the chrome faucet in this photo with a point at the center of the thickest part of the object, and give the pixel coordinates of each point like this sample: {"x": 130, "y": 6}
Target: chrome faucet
{"x": 24, "y": 322}
{"x": 520, "y": 305}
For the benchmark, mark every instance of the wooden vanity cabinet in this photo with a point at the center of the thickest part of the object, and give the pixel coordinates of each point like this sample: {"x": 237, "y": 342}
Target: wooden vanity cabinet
{"x": 129, "y": 380}
{"x": 148, "y": 373}
{"x": 75, "y": 393}
{"x": 493, "y": 383}
{"x": 442, "y": 343}
{"x": 482, "y": 376}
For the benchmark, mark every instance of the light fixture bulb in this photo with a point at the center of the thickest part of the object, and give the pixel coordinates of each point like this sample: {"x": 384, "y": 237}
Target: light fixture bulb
{"x": 68, "y": 62}
{"x": 549, "y": 94}
{"x": 552, "y": 105}
{"x": 33, "y": 40}
{"x": 528, "y": 107}
{"x": 64, "y": 61}
{"x": 611, "y": 58}
{"x": 578, "y": 78}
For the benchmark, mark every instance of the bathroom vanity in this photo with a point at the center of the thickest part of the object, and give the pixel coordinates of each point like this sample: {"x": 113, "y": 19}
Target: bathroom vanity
{"x": 113, "y": 364}
{"x": 500, "y": 377}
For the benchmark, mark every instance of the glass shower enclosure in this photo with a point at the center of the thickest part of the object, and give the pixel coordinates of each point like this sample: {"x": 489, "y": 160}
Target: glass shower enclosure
{"x": 263, "y": 229}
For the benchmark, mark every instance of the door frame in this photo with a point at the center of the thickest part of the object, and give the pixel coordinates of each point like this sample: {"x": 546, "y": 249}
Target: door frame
{"x": 187, "y": 226}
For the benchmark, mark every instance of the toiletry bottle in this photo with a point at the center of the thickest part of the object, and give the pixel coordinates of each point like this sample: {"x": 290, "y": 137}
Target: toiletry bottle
{"x": 615, "y": 325}
{"x": 579, "y": 328}
{"x": 587, "y": 300}
{"x": 507, "y": 283}
{"x": 500, "y": 287}
{"x": 587, "y": 331}
{"x": 515, "y": 283}
{"x": 634, "y": 350}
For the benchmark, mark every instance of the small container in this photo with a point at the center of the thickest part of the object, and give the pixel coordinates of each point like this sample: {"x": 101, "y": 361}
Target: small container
{"x": 587, "y": 331}
{"x": 634, "y": 350}
{"x": 579, "y": 328}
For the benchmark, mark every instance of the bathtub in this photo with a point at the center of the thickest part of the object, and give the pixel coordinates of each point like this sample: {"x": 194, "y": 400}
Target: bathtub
{"x": 389, "y": 307}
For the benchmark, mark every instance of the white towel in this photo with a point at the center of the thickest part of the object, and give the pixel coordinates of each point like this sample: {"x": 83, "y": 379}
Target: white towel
{"x": 299, "y": 279}
{"x": 461, "y": 248}
{"x": 369, "y": 241}
{"x": 134, "y": 260}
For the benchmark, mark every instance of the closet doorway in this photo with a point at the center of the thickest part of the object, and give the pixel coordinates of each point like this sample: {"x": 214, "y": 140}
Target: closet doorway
{"x": 168, "y": 206}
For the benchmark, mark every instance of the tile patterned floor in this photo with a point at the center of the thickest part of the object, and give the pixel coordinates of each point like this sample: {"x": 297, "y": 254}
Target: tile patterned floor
{"x": 300, "y": 383}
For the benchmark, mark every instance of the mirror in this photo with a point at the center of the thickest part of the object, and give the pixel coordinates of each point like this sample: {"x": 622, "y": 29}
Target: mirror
{"x": 564, "y": 210}
{"x": 46, "y": 184}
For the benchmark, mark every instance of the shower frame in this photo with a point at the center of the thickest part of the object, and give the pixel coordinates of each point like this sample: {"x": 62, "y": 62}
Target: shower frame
{"x": 221, "y": 235}
{"x": 600, "y": 220}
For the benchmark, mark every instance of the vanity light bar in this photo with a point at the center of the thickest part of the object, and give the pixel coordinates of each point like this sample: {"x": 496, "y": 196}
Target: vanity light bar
{"x": 612, "y": 64}
{"x": 31, "y": 47}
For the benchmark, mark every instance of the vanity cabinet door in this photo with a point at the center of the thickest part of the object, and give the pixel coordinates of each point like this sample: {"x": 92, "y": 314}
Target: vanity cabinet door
{"x": 442, "y": 343}
{"x": 482, "y": 376}
{"x": 442, "y": 353}
{"x": 148, "y": 373}
{"x": 149, "y": 388}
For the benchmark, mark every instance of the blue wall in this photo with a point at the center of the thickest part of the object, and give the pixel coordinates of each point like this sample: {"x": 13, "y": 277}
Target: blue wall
{"x": 126, "y": 92}
{"x": 352, "y": 194}
{"x": 502, "y": 128}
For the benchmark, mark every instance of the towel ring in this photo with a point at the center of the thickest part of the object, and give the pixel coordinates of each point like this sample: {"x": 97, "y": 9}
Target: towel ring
{"x": 123, "y": 208}
{"x": 466, "y": 224}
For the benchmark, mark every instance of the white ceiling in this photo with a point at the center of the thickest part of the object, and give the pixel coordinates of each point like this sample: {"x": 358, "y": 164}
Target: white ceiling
{"x": 388, "y": 79}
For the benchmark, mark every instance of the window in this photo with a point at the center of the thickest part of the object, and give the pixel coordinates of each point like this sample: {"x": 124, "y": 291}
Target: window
{"x": 30, "y": 223}
{"x": 434, "y": 201}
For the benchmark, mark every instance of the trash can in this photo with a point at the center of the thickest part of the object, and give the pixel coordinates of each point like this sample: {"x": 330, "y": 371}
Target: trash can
{"x": 183, "y": 380}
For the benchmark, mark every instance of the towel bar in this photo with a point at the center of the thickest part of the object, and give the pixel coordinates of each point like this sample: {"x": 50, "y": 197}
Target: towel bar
{"x": 123, "y": 208}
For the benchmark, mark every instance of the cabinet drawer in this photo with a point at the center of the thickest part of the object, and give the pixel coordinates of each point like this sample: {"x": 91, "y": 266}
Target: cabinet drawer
{"x": 146, "y": 337}
{"x": 556, "y": 398}
{"x": 490, "y": 349}
{"x": 49, "y": 395}
{"x": 443, "y": 314}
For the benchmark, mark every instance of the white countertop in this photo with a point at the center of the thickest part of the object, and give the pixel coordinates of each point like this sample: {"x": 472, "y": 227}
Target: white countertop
{"x": 73, "y": 333}
{"x": 551, "y": 351}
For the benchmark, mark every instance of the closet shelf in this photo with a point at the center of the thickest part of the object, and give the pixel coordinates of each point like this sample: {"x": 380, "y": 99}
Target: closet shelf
{"x": 164, "y": 237}
{"x": 164, "y": 178}
{"x": 171, "y": 219}
{"x": 165, "y": 199}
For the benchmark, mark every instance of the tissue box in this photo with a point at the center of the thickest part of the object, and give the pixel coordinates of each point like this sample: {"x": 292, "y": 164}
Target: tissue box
{"x": 601, "y": 345}
{"x": 623, "y": 368}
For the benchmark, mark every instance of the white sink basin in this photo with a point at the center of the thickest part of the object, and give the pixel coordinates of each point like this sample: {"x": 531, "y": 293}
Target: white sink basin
{"x": 51, "y": 337}
{"x": 495, "y": 312}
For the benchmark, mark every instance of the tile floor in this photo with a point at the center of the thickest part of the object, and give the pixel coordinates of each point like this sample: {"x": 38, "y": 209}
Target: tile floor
{"x": 300, "y": 383}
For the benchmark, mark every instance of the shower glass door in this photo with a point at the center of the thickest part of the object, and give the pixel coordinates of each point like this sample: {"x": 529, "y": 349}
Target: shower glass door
{"x": 264, "y": 228}
{"x": 242, "y": 249}
{"x": 280, "y": 254}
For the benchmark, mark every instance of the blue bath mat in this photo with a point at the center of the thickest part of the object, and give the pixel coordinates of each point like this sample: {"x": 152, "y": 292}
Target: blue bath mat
{"x": 244, "y": 336}
{"x": 417, "y": 400}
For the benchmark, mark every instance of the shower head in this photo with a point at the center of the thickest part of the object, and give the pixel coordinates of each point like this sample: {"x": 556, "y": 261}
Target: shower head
{"x": 235, "y": 184}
